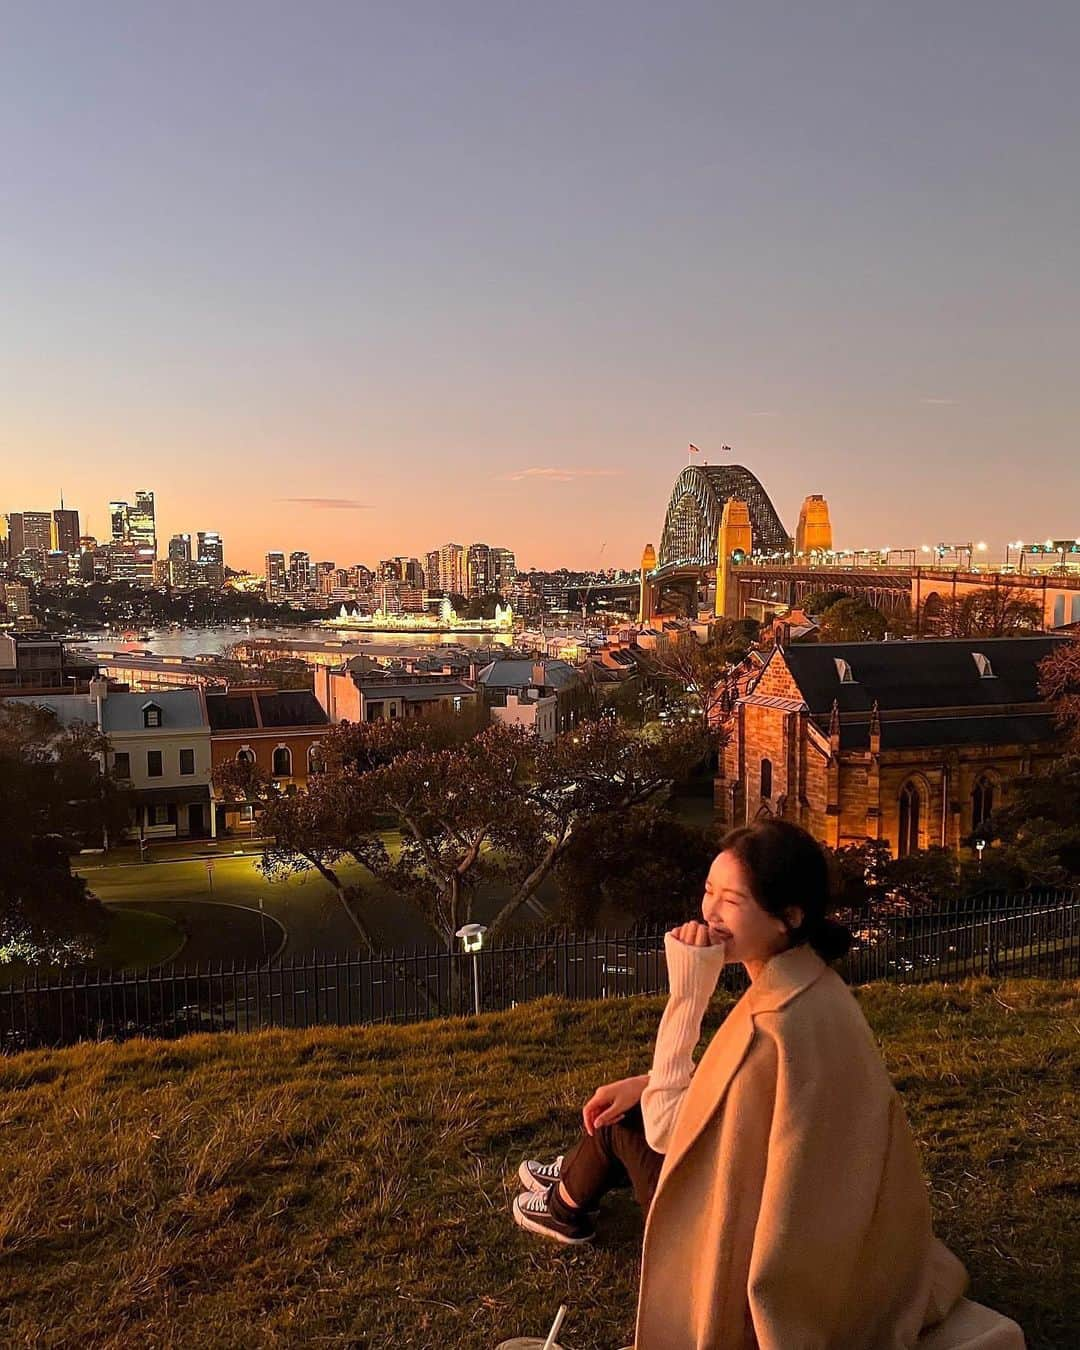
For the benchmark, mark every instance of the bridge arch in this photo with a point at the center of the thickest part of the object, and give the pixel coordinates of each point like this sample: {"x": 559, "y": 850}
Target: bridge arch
{"x": 693, "y": 515}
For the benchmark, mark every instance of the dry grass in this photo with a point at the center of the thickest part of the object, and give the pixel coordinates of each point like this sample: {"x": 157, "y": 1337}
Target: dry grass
{"x": 350, "y": 1187}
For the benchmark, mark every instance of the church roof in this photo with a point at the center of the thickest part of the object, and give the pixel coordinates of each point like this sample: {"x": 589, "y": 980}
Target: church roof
{"x": 978, "y": 691}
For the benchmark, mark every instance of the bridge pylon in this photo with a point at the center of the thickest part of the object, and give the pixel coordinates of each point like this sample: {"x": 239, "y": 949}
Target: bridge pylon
{"x": 647, "y": 598}
{"x": 734, "y": 541}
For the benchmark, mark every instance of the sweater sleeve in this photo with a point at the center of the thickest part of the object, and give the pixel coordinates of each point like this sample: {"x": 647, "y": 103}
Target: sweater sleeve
{"x": 692, "y": 976}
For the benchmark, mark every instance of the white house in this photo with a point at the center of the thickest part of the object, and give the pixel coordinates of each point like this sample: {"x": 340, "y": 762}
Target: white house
{"x": 159, "y": 746}
{"x": 538, "y": 714}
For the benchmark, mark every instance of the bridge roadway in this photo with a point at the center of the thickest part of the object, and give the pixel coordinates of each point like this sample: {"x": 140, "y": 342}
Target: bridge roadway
{"x": 765, "y": 588}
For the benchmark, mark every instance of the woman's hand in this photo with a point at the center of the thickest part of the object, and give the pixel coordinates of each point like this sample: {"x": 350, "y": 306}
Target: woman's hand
{"x": 695, "y": 934}
{"x": 612, "y": 1101}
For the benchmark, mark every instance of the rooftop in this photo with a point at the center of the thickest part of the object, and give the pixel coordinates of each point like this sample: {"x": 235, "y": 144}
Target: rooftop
{"x": 939, "y": 673}
{"x": 243, "y": 710}
{"x": 519, "y": 674}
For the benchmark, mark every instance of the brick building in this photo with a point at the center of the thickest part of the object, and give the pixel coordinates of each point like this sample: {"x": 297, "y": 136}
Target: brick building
{"x": 914, "y": 743}
{"x": 280, "y": 730}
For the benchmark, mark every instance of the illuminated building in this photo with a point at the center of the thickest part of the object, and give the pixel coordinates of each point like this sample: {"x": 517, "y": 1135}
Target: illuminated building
{"x": 299, "y": 571}
{"x": 29, "y": 530}
{"x": 276, "y": 577}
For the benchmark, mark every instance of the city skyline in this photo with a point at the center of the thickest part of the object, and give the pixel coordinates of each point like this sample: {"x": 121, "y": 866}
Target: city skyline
{"x": 382, "y": 277}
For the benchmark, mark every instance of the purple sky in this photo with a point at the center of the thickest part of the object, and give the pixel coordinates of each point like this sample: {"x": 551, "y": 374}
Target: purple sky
{"x": 481, "y": 270}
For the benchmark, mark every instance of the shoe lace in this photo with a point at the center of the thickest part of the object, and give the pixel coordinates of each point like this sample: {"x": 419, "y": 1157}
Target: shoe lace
{"x": 551, "y": 1170}
{"x": 537, "y": 1202}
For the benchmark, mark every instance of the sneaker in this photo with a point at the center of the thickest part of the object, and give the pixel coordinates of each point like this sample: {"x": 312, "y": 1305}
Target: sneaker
{"x": 531, "y": 1212}
{"x": 538, "y": 1176}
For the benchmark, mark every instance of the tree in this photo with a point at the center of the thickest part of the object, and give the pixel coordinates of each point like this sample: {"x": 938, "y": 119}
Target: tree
{"x": 1059, "y": 684}
{"x": 428, "y": 808}
{"x": 1037, "y": 831}
{"x": 641, "y": 862}
{"x": 817, "y": 602}
{"x": 54, "y": 799}
{"x": 989, "y": 612}
{"x": 697, "y": 673}
{"x": 852, "y": 620}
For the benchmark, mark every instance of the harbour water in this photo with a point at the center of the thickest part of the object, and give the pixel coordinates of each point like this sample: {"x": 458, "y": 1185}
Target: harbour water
{"x": 212, "y": 641}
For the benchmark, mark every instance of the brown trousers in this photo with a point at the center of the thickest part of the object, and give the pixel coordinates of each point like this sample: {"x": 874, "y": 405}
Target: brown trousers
{"x": 615, "y": 1156}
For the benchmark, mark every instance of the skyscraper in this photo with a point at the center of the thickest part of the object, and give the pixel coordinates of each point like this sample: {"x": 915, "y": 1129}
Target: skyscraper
{"x": 65, "y": 530}
{"x": 276, "y": 577}
{"x": 210, "y": 563}
{"x": 431, "y": 569}
{"x": 118, "y": 521}
{"x": 478, "y": 570}
{"x": 142, "y": 528}
{"x": 29, "y": 530}
{"x": 503, "y": 572}
{"x": 299, "y": 571}
{"x": 452, "y": 569}
{"x": 179, "y": 570}
{"x": 134, "y": 525}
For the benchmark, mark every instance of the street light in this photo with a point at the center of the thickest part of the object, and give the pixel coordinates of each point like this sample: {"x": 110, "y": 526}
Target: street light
{"x": 472, "y": 940}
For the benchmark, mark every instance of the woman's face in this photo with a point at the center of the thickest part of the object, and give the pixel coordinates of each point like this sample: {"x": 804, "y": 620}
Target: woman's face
{"x": 749, "y": 933}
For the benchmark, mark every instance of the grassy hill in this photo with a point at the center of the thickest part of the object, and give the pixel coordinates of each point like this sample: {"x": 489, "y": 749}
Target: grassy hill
{"x": 350, "y": 1187}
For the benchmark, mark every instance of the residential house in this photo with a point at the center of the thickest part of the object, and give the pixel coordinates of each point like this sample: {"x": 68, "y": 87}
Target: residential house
{"x": 533, "y": 680}
{"x": 280, "y": 730}
{"x": 159, "y": 749}
{"x": 358, "y": 693}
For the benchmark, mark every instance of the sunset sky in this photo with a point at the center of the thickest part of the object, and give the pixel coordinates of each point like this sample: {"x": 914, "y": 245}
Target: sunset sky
{"x": 363, "y": 277}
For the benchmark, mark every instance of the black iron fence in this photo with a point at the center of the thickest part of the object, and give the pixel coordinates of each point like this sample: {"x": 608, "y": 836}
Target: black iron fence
{"x": 1029, "y": 934}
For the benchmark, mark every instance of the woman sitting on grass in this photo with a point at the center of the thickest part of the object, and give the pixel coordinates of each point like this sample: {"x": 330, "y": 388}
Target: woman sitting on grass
{"x": 785, "y": 1204}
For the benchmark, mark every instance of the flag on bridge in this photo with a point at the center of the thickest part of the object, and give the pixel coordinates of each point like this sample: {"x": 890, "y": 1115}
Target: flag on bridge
{"x": 694, "y": 450}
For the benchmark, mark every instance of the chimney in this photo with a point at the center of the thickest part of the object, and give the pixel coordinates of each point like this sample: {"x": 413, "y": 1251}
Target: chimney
{"x": 538, "y": 673}
{"x": 99, "y": 692}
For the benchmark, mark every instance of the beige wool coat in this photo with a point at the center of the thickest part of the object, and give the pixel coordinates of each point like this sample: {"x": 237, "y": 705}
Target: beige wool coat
{"x": 791, "y": 1211}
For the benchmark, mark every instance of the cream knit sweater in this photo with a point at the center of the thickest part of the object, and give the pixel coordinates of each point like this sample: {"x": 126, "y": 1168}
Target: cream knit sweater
{"x": 692, "y": 976}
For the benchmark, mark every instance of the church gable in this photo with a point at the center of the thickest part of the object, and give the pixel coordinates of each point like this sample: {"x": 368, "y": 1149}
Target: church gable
{"x": 776, "y": 680}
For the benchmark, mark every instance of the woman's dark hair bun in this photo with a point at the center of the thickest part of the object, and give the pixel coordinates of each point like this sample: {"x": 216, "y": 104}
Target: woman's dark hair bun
{"x": 830, "y": 939}
{"x": 787, "y": 867}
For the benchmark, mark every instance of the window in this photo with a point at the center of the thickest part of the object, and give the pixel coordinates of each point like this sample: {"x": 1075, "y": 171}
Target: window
{"x": 122, "y": 764}
{"x": 282, "y": 762}
{"x": 151, "y": 715}
{"x": 766, "y": 778}
{"x": 187, "y": 761}
{"x": 374, "y": 711}
{"x": 153, "y": 764}
{"x": 315, "y": 759}
{"x": 245, "y": 756}
{"x": 159, "y": 815}
{"x": 982, "y": 802}
{"x": 910, "y": 811}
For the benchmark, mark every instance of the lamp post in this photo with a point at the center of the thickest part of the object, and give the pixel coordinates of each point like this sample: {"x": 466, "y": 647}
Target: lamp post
{"x": 472, "y": 940}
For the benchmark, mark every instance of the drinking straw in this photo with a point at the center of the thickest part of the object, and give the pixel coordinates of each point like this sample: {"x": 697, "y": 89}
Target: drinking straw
{"x": 555, "y": 1327}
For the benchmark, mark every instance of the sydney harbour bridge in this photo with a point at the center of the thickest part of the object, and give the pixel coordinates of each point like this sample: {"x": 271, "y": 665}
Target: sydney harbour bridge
{"x": 725, "y": 551}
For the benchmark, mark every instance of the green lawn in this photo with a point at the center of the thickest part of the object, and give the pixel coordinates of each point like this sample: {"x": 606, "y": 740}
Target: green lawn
{"x": 305, "y": 905}
{"x": 138, "y": 939}
{"x": 350, "y": 1187}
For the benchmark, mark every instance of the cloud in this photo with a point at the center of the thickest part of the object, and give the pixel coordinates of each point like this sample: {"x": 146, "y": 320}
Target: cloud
{"x": 941, "y": 402}
{"x": 560, "y": 475}
{"x": 764, "y": 414}
{"x": 329, "y": 503}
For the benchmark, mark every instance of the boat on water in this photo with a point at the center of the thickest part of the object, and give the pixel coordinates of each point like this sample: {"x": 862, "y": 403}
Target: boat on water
{"x": 447, "y": 621}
